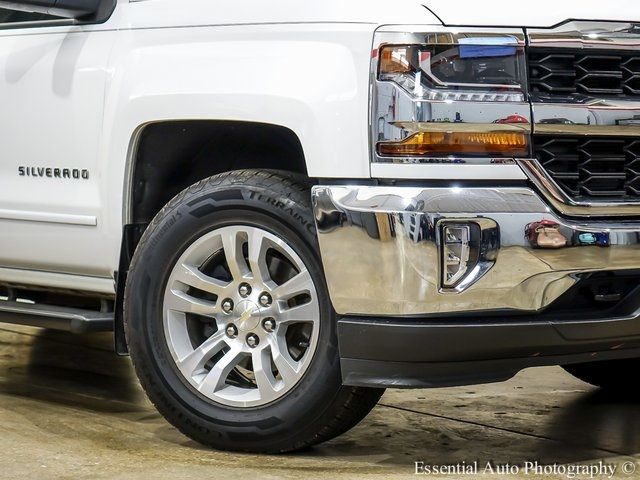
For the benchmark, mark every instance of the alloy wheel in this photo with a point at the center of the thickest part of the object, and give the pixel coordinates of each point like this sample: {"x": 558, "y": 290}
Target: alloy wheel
{"x": 241, "y": 316}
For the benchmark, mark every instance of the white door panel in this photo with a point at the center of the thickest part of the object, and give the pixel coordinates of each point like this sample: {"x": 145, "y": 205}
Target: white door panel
{"x": 52, "y": 88}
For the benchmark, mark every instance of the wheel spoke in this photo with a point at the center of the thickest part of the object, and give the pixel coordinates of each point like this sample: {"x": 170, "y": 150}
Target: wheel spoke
{"x": 195, "y": 361}
{"x": 183, "y": 302}
{"x": 258, "y": 257}
{"x": 265, "y": 380}
{"x": 191, "y": 276}
{"x": 307, "y": 312}
{"x": 287, "y": 366}
{"x": 217, "y": 376}
{"x": 232, "y": 245}
{"x": 297, "y": 285}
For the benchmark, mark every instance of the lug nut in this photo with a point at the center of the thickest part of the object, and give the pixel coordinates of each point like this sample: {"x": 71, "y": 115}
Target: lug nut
{"x": 244, "y": 290}
{"x": 231, "y": 330}
{"x": 265, "y": 299}
{"x": 269, "y": 324}
{"x": 252, "y": 340}
{"x": 227, "y": 305}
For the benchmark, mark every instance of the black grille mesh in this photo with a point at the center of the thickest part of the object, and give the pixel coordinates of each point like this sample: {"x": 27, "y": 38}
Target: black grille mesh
{"x": 592, "y": 167}
{"x": 562, "y": 71}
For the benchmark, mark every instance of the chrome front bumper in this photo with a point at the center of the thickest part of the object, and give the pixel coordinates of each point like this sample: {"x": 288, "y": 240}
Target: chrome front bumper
{"x": 380, "y": 249}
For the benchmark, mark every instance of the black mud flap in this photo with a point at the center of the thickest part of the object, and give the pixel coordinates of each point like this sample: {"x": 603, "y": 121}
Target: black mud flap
{"x": 131, "y": 235}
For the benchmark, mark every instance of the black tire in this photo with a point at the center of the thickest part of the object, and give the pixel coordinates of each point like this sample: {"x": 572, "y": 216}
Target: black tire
{"x": 611, "y": 375}
{"x": 319, "y": 407}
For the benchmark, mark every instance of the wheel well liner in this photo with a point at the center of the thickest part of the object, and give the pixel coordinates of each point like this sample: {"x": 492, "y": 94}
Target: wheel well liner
{"x": 172, "y": 155}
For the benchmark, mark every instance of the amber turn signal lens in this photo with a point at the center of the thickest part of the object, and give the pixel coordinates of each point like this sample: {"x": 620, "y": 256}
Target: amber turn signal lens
{"x": 395, "y": 60}
{"x": 451, "y": 143}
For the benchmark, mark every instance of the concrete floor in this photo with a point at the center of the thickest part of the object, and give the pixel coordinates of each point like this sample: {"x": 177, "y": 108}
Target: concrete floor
{"x": 70, "y": 409}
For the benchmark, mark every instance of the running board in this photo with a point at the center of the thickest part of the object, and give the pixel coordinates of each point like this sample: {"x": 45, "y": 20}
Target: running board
{"x": 57, "y": 318}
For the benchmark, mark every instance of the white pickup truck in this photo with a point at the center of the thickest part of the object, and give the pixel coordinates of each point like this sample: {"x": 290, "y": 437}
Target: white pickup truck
{"x": 282, "y": 207}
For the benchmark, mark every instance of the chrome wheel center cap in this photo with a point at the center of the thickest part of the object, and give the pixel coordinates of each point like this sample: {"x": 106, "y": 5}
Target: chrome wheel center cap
{"x": 248, "y": 315}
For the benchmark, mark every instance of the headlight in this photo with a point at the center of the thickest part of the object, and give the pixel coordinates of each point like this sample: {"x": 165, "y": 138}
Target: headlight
{"x": 449, "y": 93}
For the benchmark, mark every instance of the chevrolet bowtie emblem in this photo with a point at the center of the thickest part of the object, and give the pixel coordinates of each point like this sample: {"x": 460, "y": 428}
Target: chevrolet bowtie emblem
{"x": 245, "y": 315}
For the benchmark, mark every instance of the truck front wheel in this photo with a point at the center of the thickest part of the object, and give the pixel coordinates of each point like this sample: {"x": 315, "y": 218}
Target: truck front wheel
{"x": 228, "y": 318}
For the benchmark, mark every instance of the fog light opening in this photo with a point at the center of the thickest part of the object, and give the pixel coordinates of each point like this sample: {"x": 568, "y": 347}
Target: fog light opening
{"x": 456, "y": 253}
{"x": 468, "y": 249}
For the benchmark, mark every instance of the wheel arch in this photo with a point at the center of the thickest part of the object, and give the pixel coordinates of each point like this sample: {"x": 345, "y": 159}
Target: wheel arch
{"x": 170, "y": 155}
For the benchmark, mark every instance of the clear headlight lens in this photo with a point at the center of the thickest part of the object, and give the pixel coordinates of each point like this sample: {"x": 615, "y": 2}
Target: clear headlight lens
{"x": 476, "y": 69}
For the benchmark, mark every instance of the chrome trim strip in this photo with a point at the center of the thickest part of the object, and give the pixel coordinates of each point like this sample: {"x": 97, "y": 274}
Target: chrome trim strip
{"x": 46, "y": 217}
{"x": 451, "y": 160}
{"x": 447, "y": 171}
{"x": 587, "y": 35}
{"x": 586, "y": 130}
{"x": 380, "y": 250}
{"x": 564, "y": 204}
{"x": 460, "y": 127}
{"x": 439, "y": 34}
{"x": 459, "y": 202}
{"x": 591, "y": 117}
